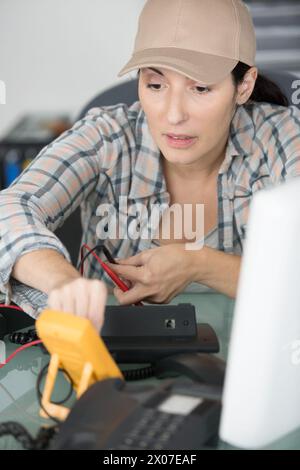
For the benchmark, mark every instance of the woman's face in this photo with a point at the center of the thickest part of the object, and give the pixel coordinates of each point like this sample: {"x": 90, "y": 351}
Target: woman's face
{"x": 175, "y": 104}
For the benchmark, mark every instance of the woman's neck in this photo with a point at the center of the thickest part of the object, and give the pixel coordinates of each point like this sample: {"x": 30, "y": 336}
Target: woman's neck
{"x": 198, "y": 171}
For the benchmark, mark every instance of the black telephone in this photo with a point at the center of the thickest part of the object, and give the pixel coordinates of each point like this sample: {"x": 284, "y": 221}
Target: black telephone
{"x": 113, "y": 415}
{"x": 144, "y": 334}
{"x": 177, "y": 413}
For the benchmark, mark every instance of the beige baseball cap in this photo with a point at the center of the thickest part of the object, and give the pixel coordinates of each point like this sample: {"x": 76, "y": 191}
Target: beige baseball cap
{"x": 202, "y": 39}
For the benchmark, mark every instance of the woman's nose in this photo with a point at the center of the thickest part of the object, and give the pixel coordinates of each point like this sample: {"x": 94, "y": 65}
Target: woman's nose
{"x": 176, "y": 110}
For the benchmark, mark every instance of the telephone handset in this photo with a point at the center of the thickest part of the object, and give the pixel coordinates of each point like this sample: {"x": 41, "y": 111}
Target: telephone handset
{"x": 114, "y": 415}
{"x": 199, "y": 367}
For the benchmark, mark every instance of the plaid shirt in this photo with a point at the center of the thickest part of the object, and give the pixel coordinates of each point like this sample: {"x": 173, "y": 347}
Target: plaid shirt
{"x": 112, "y": 148}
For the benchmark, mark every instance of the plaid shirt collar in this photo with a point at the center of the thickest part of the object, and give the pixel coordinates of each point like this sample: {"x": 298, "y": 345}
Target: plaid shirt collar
{"x": 142, "y": 185}
{"x": 240, "y": 140}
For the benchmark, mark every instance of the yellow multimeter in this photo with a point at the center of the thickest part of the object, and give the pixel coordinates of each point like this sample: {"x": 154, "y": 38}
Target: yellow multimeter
{"x": 76, "y": 347}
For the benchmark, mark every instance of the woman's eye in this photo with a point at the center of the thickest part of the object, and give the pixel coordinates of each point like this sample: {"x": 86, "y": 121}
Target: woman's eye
{"x": 151, "y": 85}
{"x": 201, "y": 89}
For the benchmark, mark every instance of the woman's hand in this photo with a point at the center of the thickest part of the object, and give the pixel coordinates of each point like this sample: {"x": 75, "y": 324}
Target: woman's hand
{"x": 82, "y": 297}
{"x": 156, "y": 275}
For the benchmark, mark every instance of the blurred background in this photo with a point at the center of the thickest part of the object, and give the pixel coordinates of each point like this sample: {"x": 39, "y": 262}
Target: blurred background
{"x": 55, "y": 55}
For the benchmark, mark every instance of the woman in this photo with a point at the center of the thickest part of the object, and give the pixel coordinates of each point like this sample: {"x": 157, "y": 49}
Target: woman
{"x": 207, "y": 129}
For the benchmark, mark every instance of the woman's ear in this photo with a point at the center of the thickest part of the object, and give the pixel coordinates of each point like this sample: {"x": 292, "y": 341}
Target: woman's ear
{"x": 246, "y": 87}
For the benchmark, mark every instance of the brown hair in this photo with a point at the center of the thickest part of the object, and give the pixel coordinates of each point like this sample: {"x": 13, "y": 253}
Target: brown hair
{"x": 264, "y": 90}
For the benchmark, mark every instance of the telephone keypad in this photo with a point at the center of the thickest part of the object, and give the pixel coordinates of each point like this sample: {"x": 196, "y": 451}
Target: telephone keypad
{"x": 152, "y": 430}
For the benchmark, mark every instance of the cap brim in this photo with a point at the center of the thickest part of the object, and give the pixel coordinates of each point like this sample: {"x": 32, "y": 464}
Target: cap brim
{"x": 205, "y": 68}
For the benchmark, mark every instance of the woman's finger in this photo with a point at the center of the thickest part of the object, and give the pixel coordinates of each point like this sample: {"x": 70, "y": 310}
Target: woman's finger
{"x": 137, "y": 260}
{"x": 54, "y": 301}
{"x": 97, "y": 301}
{"x": 132, "y": 296}
{"x": 132, "y": 273}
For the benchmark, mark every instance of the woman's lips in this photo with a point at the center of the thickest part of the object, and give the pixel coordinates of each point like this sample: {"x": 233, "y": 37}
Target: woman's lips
{"x": 180, "y": 143}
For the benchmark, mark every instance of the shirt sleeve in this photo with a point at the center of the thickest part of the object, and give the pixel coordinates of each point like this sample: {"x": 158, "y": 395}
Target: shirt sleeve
{"x": 42, "y": 198}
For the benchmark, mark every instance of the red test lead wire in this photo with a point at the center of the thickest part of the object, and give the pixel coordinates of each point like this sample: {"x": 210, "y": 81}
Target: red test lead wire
{"x": 14, "y": 307}
{"x": 110, "y": 273}
{"x": 25, "y": 346}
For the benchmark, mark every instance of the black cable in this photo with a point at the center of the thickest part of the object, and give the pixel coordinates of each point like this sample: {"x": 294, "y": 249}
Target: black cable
{"x": 112, "y": 189}
{"x": 44, "y": 437}
{"x": 98, "y": 247}
{"x": 40, "y": 378}
{"x": 88, "y": 254}
{"x": 18, "y": 432}
{"x": 39, "y": 393}
{"x": 138, "y": 374}
{"x": 24, "y": 337}
{"x": 21, "y": 435}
